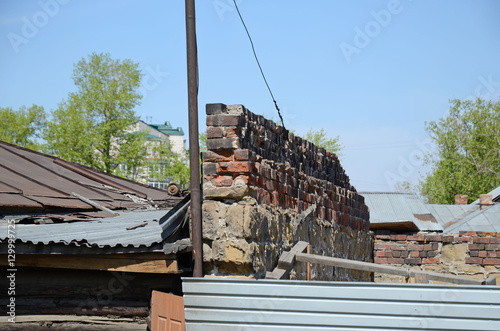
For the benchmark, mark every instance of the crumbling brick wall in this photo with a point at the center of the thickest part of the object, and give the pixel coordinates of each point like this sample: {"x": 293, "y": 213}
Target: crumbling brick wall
{"x": 467, "y": 253}
{"x": 265, "y": 189}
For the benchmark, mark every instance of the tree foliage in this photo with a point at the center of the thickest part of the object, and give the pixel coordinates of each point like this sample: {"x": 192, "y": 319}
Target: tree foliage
{"x": 320, "y": 139}
{"x": 91, "y": 126}
{"x": 467, "y": 160}
{"x": 22, "y": 127}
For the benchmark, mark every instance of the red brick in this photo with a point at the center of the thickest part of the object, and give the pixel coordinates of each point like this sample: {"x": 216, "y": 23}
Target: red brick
{"x": 467, "y": 233}
{"x": 473, "y": 260}
{"x": 399, "y": 247}
{"x": 490, "y": 261}
{"x": 474, "y": 253}
{"x": 494, "y": 240}
{"x": 235, "y": 167}
{"x": 486, "y": 234}
{"x": 476, "y": 246}
{"x": 415, "y": 247}
{"x": 415, "y": 254}
{"x": 416, "y": 237}
{"x": 380, "y": 254}
{"x": 432, "y": 260}
{"x": 221, "y": 156}
{"x": 433, "y": 237}
{"x": 215, "y": 132}
{"x": 447, "y": 239}
{"x": 428, "y": 247}
{"x": 383, "y": 236}
{"x": 241, "y": 155}
{"x": 491, "y": 254}
{"x": 481, "y": 240}
{"x": 481, "y": 254}
{"x": 462, "y": 239}
{"x": 380, "y": 260}
{"x": 394, "y": 260}
{"x": 232, "y": 132}
{"x": 492, "y": 247}
{"x": 222, "y": 181}
{"x": 398, "y": 237}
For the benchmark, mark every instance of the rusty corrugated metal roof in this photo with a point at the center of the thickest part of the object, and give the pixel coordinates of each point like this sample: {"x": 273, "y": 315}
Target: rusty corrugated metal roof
{"x": 32, "y": 182}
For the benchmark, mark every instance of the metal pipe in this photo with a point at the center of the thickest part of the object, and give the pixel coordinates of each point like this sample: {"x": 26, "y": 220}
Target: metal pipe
{"x": 194, "y": 148}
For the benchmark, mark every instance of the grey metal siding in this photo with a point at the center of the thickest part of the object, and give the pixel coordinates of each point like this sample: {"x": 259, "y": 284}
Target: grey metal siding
{"x": 239, "y": 304}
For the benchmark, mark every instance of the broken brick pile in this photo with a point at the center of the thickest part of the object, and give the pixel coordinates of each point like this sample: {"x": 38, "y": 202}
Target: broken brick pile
{"x": 252, "y": 156}
{"x": 483, "y": 248}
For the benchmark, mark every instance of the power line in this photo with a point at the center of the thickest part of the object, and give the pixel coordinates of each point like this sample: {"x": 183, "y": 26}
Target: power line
{"x": 258, "y": 63}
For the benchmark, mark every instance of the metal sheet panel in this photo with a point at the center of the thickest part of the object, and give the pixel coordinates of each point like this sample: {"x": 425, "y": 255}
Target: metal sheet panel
{"x": 236, "y": 304}
{"x": 134, "y": 228}
{"x": 386, "y": 207}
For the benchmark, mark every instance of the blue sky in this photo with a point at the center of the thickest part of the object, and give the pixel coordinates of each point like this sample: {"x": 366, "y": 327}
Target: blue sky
{"x": 371, "y": 72}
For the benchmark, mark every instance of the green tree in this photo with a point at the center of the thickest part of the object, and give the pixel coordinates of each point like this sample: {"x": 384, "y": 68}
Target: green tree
{"x": 92, "y": 126}
{"x": 167, "y": 165}
{"x": 22, "y": 127}
{"x": 320, "y": 139}
{"x": 467, "y": 160}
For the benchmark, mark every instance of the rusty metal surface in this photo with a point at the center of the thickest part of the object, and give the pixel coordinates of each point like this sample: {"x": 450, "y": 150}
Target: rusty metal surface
{"x": 35, "y": 182}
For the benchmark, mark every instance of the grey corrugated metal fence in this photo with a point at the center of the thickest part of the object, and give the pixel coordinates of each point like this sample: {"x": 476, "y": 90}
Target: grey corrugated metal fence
{"x": 239, "y": 304}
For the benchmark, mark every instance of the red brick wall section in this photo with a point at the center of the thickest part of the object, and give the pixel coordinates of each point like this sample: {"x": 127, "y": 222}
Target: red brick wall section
{"x": 279, "y": 168}
{"x": 425, "y": 248}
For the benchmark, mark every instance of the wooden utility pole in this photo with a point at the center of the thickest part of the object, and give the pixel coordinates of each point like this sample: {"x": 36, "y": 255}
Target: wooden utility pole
{"x": 194, "y": 147}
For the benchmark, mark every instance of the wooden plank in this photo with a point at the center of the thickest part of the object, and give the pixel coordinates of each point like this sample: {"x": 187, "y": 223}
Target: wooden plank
{"x": 421, "y": 279}
{"x": 142, "y": 262}
{"x": 366, "y": 266}
{"x": 287, "y": 259}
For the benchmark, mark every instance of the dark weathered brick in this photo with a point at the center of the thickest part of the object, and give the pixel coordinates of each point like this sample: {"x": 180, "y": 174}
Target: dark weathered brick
{"x": 473, "y": 260}
{"x": 223, "y": 144}
{"x": 215, "y": 108}
{"x": 220, "y": 156}
{"x": 224, "y": 120}
{"x": 210, "y": 169}
{"x": 413, "y": 261}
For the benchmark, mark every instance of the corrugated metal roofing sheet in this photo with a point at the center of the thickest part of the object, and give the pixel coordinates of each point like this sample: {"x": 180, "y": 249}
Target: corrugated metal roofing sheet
{"x": 450, "y": 214}
{"x": 480, "y": 220}
{"x": 398, "y": 207}
{"x": 35, "y": 182}
{"x": 129, "y": 228}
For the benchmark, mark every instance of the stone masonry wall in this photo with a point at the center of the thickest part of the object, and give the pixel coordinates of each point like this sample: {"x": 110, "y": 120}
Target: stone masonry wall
{"x": 265, "y": 189}
{"x": 468, "y": 253}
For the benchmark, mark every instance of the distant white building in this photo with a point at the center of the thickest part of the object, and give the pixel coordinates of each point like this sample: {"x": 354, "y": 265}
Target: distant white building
{"x": 156, "y": 133}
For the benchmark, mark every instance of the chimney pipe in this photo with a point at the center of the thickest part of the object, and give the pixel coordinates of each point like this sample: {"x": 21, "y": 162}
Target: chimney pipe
{"x": 485, "y": 200}
{"x": 461, "y": 199}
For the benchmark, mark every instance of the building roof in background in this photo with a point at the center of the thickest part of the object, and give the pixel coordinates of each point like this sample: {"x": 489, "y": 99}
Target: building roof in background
{"x": 168, "y": 129}
{"x": 399, "y": 211}
{"x": 487, "y": 220}
{"x": 407, "y": 212}
{"x": 32, "y": 182}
